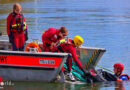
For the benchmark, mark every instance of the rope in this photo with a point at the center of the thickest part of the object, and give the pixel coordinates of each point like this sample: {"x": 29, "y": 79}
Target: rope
{"x": 105, "y": 68}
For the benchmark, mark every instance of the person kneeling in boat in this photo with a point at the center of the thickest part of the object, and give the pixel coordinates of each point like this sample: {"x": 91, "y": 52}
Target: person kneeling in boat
{"x": 52, "y": 35}
{"x": 68, "y": 45}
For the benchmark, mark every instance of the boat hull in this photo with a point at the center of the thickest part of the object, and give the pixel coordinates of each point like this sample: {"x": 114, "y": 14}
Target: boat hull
{"x": 25, "y": 66}
{"x": 41, "y": 66}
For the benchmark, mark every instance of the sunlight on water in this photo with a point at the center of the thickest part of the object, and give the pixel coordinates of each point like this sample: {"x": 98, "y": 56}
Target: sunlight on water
{"x": 67, "y": 86}
{"x": 36, "y": 18}
{"x": 102, "y": 23}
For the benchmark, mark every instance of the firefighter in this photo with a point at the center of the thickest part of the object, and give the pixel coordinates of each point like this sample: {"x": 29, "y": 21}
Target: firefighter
{"x": 117, "y": 76}
{"x": 68, "y": 45}
{"x": 50, "y": 36}
{"x": 100, "y": 75}
{"x": 17, "y": 28}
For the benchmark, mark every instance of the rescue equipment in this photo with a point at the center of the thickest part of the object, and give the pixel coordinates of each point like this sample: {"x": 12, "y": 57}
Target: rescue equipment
{"x": 33, "y": 46}
{"x": 17, "y": 23}
{"x": 124, "y": 77}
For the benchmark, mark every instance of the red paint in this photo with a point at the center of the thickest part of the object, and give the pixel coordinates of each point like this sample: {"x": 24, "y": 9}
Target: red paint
{"x": 29, "y": 61}
{"x": 1, "y": 79}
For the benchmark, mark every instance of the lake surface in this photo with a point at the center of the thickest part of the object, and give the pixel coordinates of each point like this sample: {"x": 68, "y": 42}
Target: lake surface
{"x": 102, "y": 24}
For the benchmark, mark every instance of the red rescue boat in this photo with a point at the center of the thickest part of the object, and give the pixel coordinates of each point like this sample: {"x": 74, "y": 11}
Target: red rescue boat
{"x": 40, "y": 66}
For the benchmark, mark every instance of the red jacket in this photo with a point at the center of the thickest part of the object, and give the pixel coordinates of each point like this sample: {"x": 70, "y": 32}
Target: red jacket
{"x": 50, "y": 36}
{"x": 12, "y": 24}
{"x": 71, "y": 49}
{"x": 68, "y": 47}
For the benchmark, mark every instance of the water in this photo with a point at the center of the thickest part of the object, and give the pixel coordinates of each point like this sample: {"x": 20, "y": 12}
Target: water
{"x": 102, "y": 23}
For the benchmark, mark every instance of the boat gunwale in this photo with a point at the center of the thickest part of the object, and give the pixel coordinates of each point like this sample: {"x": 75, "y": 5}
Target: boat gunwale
{"x": 33, "y": 54}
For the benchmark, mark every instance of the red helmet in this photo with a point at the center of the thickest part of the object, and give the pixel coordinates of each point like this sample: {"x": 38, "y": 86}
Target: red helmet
{"x": 119, "y": 66}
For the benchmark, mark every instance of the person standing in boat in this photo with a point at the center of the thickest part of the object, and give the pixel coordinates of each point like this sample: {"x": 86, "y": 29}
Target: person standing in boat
{"x": 50, "y": 36}
{"x": 17, "y": 28}
{"x": 68, "y": 45}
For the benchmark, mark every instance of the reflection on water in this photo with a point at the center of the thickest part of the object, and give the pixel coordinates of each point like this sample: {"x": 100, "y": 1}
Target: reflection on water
{"x": 102, "y": 23}
{"x": 66, "y": 86}
{"x": 12, "y": 1}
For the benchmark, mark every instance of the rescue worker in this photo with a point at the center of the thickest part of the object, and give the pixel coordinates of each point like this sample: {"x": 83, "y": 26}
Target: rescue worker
{"x": 117, "y": 76}
{"x": 118, "y": 69}
{"x": 50, "y": 36}
{"x": 17, "y": 28}
{"x": 68, "y": 45}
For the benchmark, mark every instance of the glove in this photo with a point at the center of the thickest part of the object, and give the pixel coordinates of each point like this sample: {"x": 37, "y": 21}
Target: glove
{"x": 52, "y": 45}
{"x": 10, "y": 39}
{"x": 26, "y": 36}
